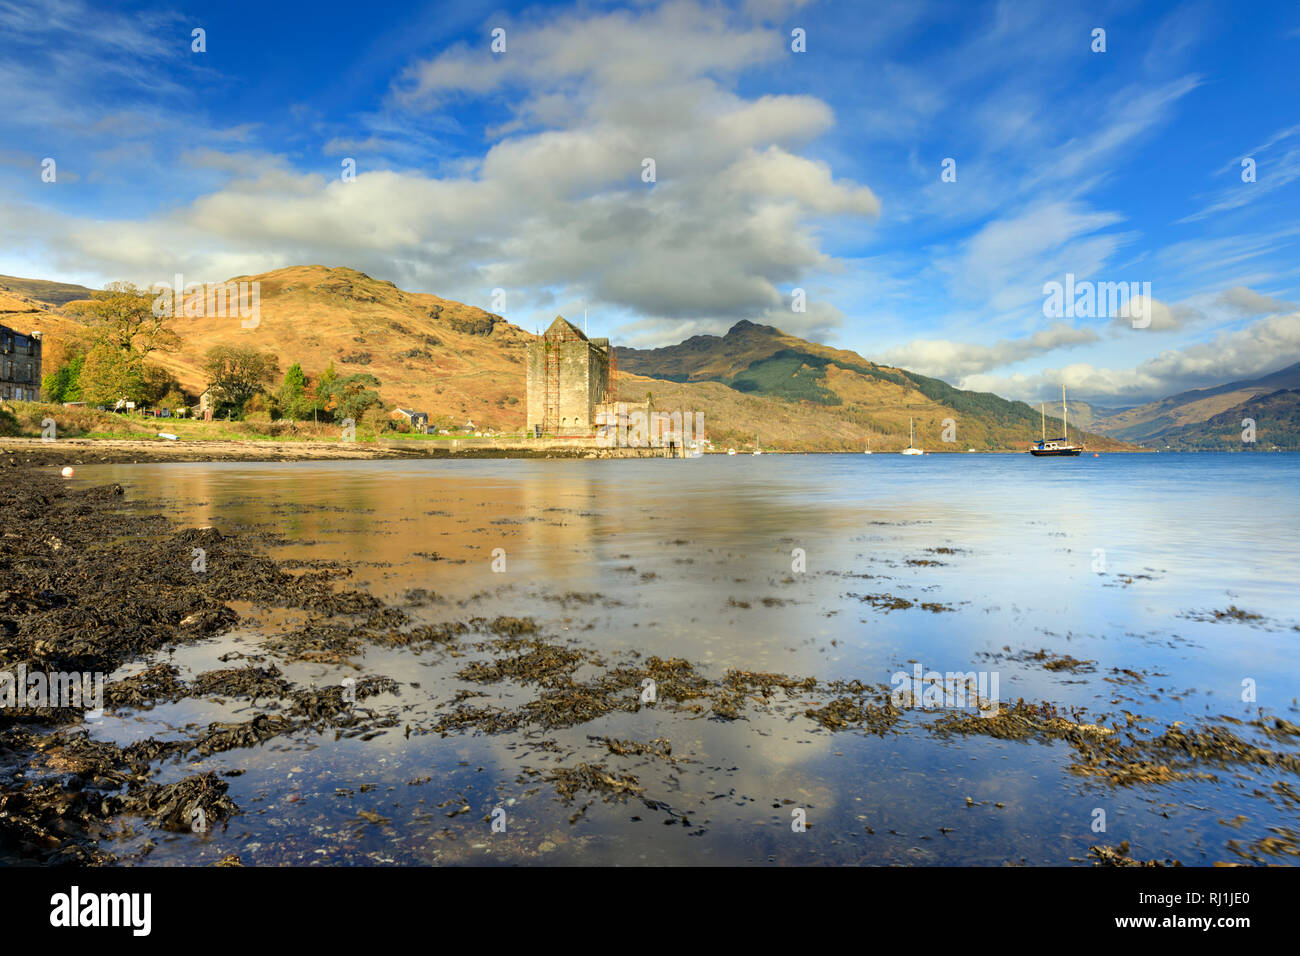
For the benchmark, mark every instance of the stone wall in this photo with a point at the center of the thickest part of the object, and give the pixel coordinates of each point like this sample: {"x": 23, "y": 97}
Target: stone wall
{"x": 20, "y": 365}
{"x": 583, "y": 371}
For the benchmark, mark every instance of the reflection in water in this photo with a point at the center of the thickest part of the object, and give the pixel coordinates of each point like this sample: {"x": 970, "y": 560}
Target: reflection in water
{"x": 1109, "y": 560}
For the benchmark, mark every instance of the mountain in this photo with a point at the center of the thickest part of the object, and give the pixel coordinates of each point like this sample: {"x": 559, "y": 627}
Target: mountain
{"x": 1084, "y": 414}
{"x": 1277, "y": 426}
{"x": 837, "y": 385}
{"x": 1153, "y": 423}
{"x": 435, "y": 354}
{"x": 38, "y": 292}
{"x": 458, "y": 361}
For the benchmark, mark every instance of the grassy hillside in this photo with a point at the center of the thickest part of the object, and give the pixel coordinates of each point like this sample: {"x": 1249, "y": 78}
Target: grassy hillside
{"x": 841, "y": 397}
{"x": 1277, "y": 425}
{"x": 458, "y": 361}
{"x": 41, "y": 291}
{"x": 1153, "y": 424}
{"x": 1084, "y": 414}
{"x": 435, "y": 354}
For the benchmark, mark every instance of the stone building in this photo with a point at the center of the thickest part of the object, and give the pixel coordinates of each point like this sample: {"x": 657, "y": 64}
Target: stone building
{"x": 568, "y": 379}
{"x": 20, "y": 365}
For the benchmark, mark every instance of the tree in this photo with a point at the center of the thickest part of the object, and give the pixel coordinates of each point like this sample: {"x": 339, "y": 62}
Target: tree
{"x": 123, "y": 317}
{"x": 174, "y": 399}
{"x": 156, "y": 382}
{"x": 64, "y": 383}
{"x": 124, "y": 329}
{"x": 349, "y": 396}
{"x": 63, "y": 356}
{"x": 295, "y": 397}
{"x": 236, "y": 374}
{"x": 109, "y": 375}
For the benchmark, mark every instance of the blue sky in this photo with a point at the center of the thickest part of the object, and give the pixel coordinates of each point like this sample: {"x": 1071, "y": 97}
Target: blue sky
{"x": 775, "y": 170}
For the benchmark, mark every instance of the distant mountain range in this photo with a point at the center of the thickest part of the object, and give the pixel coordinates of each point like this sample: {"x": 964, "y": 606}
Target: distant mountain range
{"x": 841, "y": 385}
{"x": 1199, "y": 419}
{"x": 1084, "y": 414}
{"x": 1276, "y": 418}
{"x": 39, "y": 291}
{"x": 753, "y": 384}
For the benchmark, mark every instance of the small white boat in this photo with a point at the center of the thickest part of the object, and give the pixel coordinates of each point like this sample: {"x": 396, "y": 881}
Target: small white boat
{"x": 731, "y": 451}
{"x": 911, "y": 448}
{"x": 868, "y": 451}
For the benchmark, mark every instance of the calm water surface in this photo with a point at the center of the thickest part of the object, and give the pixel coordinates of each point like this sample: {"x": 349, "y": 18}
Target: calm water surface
{"x": 1113, "y": 560}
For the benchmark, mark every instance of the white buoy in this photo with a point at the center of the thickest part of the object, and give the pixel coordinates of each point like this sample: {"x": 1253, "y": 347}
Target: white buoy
{"x": 67, "y": 471}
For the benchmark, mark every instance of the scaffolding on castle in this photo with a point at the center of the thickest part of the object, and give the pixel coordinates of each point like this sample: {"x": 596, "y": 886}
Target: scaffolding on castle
{"x": 611, "y": 392}
{"x": 551, "y": 344}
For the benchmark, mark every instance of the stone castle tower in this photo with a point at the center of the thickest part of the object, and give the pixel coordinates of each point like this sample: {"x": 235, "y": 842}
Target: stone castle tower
{"x": 568, "y": 377}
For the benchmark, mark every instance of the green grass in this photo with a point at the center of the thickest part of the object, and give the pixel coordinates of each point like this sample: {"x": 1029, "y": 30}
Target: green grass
{"x": 418, "y": 436}
{"x": 788, "y": 374}
{"x": 23, "y": 420}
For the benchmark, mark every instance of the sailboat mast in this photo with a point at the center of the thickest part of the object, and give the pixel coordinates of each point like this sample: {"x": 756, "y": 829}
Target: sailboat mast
{"x": 1065, "y": 415}
{"x": 1042, "y": 410}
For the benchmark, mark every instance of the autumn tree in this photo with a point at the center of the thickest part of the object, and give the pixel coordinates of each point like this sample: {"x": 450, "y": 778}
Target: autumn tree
{"x": 123, "y": 316}
{"x": 109, "y": 375}
{"x": 123, "y": 330}
{"x": 236, "y": 373}
{"x": 348, "y": 396}
{"x": 62, "y": 357}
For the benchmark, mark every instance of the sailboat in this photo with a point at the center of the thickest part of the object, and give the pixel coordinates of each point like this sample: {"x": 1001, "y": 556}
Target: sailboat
{"x": 911, "y": 448}
{"x": 1057, "y": 447}
{"x": 757, "y": 448}
{"x": 868, "y": 451}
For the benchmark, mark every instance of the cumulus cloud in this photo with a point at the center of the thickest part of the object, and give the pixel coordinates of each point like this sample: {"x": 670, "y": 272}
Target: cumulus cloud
{"x": 1234, "y": 353}
{"x": 1248, "y": 302}
{"x": 557, "y": 205}
{"x": 958, "y": 360}
{"x": 1236, "y": 302}
{"x": 1158, "y": 316}
{"x": 1265, "y": 346}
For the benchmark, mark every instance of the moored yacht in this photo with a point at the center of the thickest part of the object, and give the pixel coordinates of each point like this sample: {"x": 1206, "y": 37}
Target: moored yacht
{"x": 911, "y": 448}
{"x": 1056, "y": 447}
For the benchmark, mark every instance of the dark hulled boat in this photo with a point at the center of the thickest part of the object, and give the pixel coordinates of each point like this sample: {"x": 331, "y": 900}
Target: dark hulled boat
{"x": 1057, "y": 447}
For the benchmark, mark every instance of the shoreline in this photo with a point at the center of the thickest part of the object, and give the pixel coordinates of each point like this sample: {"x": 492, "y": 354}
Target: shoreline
{"x": 119, "y": 451}
{"x": 113, "y": 451}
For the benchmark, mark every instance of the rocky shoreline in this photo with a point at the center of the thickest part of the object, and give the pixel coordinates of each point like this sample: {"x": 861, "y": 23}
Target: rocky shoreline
{"x": 86, "y": 451}
{"x": 89, "y": 584}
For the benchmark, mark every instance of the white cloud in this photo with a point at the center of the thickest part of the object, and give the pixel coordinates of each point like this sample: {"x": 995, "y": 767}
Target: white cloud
{"x": 1249, "y": 302}
{"x": 1260, "y": 348}
{"x": 1007, "y": 261}
{"x": 953, "y": 360}
{"x": 557, "y": 207}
